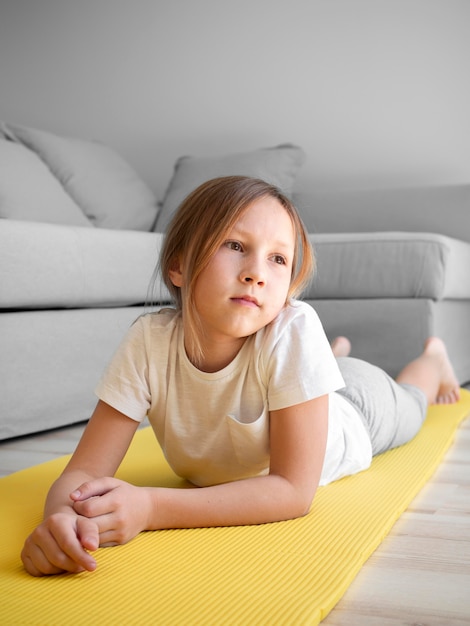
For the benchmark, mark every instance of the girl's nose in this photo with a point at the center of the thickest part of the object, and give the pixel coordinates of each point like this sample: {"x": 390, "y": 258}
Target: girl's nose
{"x": 252, "y": 275}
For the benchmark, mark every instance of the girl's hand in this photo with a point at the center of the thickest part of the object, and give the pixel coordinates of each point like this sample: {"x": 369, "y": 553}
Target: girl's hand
{"x": 120, "y": 510}
{"x": 60, "y": 544}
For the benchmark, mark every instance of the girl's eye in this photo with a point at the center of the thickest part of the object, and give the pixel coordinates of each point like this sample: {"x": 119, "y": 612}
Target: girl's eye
{"x": 234, "y": 245}
{"x": 278, "y": 258}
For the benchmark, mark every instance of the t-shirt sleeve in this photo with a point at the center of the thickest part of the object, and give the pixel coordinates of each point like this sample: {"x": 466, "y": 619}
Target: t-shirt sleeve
{"x": 300, "y": 365}
{"x": 124, "y": 384}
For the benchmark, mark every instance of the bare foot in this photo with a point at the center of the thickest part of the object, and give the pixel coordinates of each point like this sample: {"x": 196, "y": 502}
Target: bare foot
{"x": 341, "y": 346}
{"x": 449, "y": 389}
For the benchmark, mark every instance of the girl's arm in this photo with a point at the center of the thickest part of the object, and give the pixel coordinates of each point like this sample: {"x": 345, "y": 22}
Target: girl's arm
{"x": 61, "y": 542}
{"x": 86, "y": 508}
{"x": 298, "y": 436}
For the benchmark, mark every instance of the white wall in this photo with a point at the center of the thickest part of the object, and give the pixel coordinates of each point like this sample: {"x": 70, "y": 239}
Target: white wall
{"x": 376, "y": 91}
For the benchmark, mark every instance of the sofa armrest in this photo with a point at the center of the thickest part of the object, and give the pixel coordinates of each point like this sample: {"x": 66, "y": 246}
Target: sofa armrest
{"x": 58, "y": 266}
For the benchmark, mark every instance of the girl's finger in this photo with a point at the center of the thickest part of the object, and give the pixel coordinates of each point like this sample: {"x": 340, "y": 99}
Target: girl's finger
{"x": 88, "y": 533}
{"x": 48, "y": 557}
{"x": 71, "y": 549}
{"x": 94, "y": 508}
{"x": 93, "y": 488}
{"x": 37, "y": 564}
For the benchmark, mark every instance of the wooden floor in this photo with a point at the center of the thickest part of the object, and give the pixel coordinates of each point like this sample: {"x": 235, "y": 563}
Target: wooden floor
{"x": 420, "y": 574}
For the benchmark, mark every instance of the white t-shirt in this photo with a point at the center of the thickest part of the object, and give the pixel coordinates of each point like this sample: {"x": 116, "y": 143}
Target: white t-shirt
{"x": 214, "y": 427}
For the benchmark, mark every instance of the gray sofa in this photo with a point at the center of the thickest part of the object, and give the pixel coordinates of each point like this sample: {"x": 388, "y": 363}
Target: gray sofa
{"x": 75, "y": 267}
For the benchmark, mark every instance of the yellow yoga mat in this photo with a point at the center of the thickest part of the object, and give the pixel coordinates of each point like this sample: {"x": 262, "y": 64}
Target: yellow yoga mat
{"x": 284, "y": 573}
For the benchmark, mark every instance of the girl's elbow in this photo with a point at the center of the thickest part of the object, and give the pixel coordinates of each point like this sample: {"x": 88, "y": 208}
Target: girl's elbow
{"x": 306, "y": 505}
{"x": 301, "y": 504}
{"x": 296, "y": 500}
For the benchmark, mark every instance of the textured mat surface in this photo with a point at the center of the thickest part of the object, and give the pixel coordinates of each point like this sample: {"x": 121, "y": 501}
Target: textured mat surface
{"x": 286, "y": 573}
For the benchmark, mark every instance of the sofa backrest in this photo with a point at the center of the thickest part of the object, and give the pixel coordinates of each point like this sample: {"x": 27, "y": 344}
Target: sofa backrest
{"x": 443, "y": 210}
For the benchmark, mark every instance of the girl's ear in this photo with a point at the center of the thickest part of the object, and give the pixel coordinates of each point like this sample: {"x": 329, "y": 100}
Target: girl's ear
{"x": 176, "y": 275}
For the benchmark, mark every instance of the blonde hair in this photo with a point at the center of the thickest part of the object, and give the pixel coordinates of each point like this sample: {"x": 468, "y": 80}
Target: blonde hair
{"x": 199, "y": 228}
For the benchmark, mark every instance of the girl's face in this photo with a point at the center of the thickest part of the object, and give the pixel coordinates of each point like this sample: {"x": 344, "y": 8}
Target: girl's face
{"x": 246, "y": 283}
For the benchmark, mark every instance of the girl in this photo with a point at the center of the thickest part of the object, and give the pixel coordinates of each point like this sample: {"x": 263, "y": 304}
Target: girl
{"x": 239, "y": 384}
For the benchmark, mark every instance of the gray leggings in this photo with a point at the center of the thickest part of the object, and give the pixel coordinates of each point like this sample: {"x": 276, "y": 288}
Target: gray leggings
{"x": 393, "y": 413}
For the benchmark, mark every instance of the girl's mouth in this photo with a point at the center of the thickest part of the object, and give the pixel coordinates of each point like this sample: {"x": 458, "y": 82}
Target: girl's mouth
{"x": 246, "y": 301}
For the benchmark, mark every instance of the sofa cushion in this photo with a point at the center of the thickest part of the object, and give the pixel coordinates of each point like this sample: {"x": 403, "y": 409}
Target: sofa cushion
{"x": 28, "y": 190}
{"x": 390, "y": 265}
{"x": 54, "y": 266}
{"x": 99, "y": 180}
{"x": 278, "y": 166}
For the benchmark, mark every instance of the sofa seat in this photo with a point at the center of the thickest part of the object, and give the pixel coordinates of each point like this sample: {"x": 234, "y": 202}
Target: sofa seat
{"x": 390, "y": 265}
{"x": 50, "y": 266}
